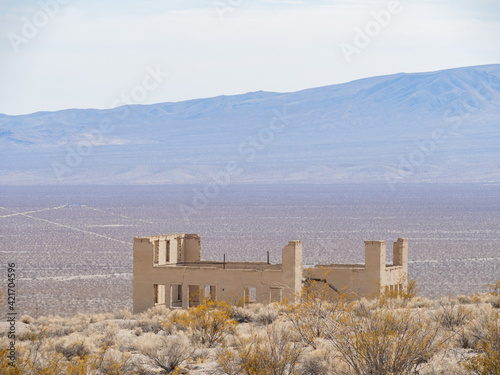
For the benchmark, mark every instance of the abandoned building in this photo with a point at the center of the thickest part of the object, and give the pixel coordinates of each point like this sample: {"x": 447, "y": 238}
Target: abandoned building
{"x": 168, "y": 270}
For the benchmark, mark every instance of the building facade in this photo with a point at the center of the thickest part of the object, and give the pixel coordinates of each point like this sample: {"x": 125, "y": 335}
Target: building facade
{"x": 168, "y": 270}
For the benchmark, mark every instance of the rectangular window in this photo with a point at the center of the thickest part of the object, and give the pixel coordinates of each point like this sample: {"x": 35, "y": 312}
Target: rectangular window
{"x": 159, "y": 294}
{"x": 176, "y": 295}
{"x": 250, "y": 294}
{"x": 194, "y": 295}
{"x": 162, "y": 255}
{"x": 210, "y": 292}
{"x": 156, "y": 252}
{"x": 276, "y": 295}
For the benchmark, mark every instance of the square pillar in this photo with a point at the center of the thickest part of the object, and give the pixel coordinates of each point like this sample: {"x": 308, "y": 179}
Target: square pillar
{"x": 400, "y": 254}
{"x": 292, "y": 269}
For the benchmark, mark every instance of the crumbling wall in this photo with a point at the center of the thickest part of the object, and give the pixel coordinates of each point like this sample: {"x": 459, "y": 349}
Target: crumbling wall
{"x": 185, "y": 283}
{"x": 168, "y": 270}
{"x": 366, "y": 279}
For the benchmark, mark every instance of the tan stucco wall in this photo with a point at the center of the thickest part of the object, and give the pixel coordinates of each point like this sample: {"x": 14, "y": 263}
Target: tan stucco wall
{"x": 366, "y": 279}
{"x": 236, "y": 280}
{"x": 230, "y": 280}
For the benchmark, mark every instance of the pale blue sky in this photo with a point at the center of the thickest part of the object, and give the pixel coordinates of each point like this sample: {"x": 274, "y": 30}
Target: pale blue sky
{"x": 91, "y": 52}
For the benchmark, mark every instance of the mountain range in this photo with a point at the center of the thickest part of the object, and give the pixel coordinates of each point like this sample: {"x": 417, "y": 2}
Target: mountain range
{"x": 435, "y": 127}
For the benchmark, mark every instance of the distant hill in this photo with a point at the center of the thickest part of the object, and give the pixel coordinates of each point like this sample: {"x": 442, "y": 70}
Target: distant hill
{"x": 424, "y": 127}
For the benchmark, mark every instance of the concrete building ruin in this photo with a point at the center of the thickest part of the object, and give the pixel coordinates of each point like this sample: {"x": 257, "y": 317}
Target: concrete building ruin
{"x": 168, "y": 270}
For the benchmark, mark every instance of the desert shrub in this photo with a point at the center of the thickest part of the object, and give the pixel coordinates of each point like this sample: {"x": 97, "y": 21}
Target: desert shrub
{"x": 78, "y": 348}
{"x": 27, "y": 319}
{"x": 311, "y": 366}
{"x": 127, "y": 323}
{"x": 39, "y": 356}
{"x": 469, "y": 336}
{"x": 105, "y": 330}
{"x": 476, "y": 298}
{"x": 109, "y": 361}
{"x": 386, "y": 341}
{"x": 467, "y": 339}
{"x": 318, "y": 361}
{"x": 153, "y": 324}
{"x": 242, "y": 315}
{"x": 420, "y": 302}
{"x": 176, "y": 320}
{"x": 200, "y": 355}
{"x": 464, "y": 300}
{"x": 163, "y": 351}
{"x": 160, "y": 310}
{"x": 362, "y": 308}
{"x": 152, "y": 320}
{"x": 495, "y": 288}
{"x": 123, "y": 314}
{"x": 33, "y": 358}
{"x": 54, "y": 326}
{"x": 266, "y": 314}
{"x": 79, "y": 321}
{"x": 5, "y": 368}
{"x": 74, "y": 345}
{"x": 110, "y": 334}
{"x": 495, "y": 294}
{"x": 105, "y": 361}
{"x": 447, "y": 364}
{"x": 100, "y": 317}
{"x": 209, "y": 322}
{"x": 487, "y": 361}
{"x": 496, "y": 303}
{"x": 138, "y": 331}
{"x": 452, "y": 316}
{"x": 308, "y": 317}
{"x": 273, "y": 351}
{"x": 229, "y": 361}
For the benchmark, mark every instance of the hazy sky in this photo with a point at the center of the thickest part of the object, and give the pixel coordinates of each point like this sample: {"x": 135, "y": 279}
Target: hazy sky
{"x": 58, "y": 54}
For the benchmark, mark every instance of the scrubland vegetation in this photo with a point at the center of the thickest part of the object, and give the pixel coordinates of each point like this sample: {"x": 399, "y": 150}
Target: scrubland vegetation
{"x": 389, "y": 334}
{"x": 73, "y": 244}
